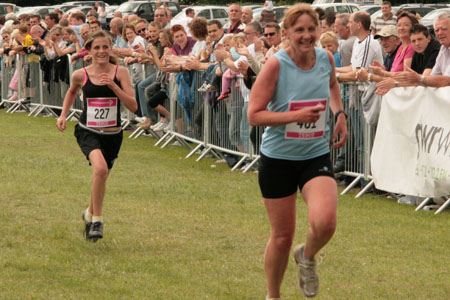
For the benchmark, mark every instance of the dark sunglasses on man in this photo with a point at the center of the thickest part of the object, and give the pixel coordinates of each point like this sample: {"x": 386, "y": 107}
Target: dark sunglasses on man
{"x": 141, "y": 30}
{"x": 269, "y": 34}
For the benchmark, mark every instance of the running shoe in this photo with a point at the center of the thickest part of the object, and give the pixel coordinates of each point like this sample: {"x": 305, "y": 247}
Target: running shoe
{"x": 155, "y": 126}
{"x": 203, "y": 87}
{"x": 308, "y": 281}
{"x": 87, "y": 225}
{"x": 96, "y": 230}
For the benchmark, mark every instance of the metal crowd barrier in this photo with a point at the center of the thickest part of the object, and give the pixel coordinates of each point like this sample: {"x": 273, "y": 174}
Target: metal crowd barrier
{"x": 13, "y": 68}
{"x": 355, "y": 155}
{"x": 208, "y": 127}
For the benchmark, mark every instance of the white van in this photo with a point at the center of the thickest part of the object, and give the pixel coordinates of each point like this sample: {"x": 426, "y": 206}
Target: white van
{"x": 338, "y": 7}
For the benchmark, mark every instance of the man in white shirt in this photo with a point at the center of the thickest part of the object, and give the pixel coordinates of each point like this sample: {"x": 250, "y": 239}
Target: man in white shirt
{"x": 190, "y": 14}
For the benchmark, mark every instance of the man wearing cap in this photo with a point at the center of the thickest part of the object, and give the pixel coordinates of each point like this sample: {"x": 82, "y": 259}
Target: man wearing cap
{"x": 390, "y": 43}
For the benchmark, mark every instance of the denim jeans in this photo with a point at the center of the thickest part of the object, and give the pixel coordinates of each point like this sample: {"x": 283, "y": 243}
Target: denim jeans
{"x": 142, "y": 85}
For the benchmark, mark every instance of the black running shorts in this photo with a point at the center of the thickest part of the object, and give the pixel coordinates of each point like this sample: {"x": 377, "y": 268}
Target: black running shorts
{"x": 280, "y": 178}
{"x": 109, "y": 144}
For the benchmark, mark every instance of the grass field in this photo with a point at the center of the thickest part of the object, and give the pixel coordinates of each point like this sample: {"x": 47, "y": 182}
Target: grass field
{"x": 180, "y": 229}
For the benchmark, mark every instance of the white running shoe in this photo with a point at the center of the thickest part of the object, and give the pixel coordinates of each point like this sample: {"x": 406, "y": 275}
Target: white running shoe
{"x": 308, "y": 281}
{"x": 153, "y": 127}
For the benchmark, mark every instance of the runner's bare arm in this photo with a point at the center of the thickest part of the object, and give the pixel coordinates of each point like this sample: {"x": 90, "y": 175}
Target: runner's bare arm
{"x": 126, "y": 93}
{"x": 340, "y": 128}
{"x": 76, "y": 83}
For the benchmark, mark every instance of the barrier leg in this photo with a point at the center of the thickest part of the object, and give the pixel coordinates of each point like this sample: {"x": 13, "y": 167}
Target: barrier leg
{"x": 12, "y": 108}
{"x": 365, "y": 189}
{"x": 250, "y": 165}
{"x": 162, "y": 138}
{"x": 125, "y": 124}
{"x": 34, "y": 109}
{"x": 204, "y": 152}
{"x": 444, "y": 206}
{"x": 72, "y": 113}
{"x": 194, "y": 150}
{"x": 351, "y": 185}
{"x": 168, "y": 141}
{"x": 136, "y": 132}
{"x": 423, "y": 203}
{"x": 39, "y": 111}
{"x": 239, "y": 163}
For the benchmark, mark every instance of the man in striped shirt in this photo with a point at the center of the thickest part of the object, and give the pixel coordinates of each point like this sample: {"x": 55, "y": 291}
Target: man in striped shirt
{"x": 387, "y": 18}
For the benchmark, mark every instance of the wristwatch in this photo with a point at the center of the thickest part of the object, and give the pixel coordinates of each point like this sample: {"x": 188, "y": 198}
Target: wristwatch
{"x": 336, "y": 115}
{"x": 397, "y": 84}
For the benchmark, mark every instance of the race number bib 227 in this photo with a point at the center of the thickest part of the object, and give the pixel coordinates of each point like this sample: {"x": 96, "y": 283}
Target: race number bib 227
{"x": 306, "y": 131}
{"x": 101, "y": 112}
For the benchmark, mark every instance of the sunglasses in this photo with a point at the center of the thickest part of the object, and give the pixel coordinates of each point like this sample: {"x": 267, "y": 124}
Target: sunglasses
{"x": 142, "y": 30}
{"x": 159, "y": 16}
{"x": 93, "y": 21}
{"x": 269, "y": 34}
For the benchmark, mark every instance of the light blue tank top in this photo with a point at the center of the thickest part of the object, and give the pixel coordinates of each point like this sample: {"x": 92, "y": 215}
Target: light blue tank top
{"x": 297, "y": 84}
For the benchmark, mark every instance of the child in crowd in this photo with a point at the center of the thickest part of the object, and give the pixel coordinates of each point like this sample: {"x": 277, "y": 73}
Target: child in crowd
{"x": 205, "y": 54}
{"x": 329, "y": 41}
{"x": 22, "y": 40}
{"x": 230, "y": 43}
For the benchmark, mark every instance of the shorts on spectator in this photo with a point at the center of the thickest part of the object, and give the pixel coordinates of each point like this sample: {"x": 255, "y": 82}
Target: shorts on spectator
{"x": 109, "y": 144}
{"x": 280, "y": 178}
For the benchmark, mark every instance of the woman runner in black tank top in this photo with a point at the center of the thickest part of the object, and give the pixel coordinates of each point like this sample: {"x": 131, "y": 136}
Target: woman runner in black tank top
{"x": 99, "y": 134}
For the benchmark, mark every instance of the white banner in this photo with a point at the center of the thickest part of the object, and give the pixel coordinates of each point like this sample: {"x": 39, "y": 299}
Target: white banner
{"x": 411, "y": 151}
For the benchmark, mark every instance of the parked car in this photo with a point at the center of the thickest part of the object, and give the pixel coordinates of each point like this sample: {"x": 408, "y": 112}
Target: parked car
{"x": 428, "y": 19}
{"x": 209, "y": 12}
{"x": 86, "y": 3}
{"x": 338, "y": 7}
{"x": 278, "y": 10}
{"x": 370, "y": 9}
{"x": 333, "y": 1}
{"x": 84, "y": 9}
{"x": 421, "y": 9}
{"x": 253, "y": 7}
{"x": 36, "y": 10}
{"x": 3, "y": 7}
{"x": 144, "y": 9}
{"x": 65, "y": 7}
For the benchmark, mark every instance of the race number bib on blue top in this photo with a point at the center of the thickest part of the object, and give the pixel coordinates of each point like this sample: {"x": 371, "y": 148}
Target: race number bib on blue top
{"x": 306, "y": 131}
{"x": 101, "y": 112}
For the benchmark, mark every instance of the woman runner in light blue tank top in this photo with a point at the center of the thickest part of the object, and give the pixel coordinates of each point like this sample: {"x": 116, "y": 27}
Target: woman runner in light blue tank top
{"x": 291, "y": 97}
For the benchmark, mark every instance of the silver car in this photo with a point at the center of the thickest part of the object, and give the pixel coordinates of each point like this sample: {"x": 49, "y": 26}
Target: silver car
{"x": 209, "y": 12}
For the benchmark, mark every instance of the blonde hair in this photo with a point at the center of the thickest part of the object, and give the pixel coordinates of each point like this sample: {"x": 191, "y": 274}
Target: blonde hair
{"x": 295, "y": 11}
{"x": 329, "y": 37}
{"x": 239, "y": 39}
{"x": 227, "y": 39}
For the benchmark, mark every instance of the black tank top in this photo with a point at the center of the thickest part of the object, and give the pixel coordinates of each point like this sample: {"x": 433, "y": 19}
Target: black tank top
{"x": 101, "y": 106}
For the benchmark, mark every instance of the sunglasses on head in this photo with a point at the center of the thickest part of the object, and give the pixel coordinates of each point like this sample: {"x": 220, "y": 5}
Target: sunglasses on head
{"x": 269, "y": 34}
{"x": 93, "y": 21}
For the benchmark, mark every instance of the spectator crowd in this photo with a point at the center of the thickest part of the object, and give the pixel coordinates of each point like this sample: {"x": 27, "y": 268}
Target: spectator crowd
{"x": 390, "y": 51}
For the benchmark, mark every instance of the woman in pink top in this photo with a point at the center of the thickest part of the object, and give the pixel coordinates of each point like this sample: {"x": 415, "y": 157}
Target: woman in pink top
{"x": 404, "y": 55}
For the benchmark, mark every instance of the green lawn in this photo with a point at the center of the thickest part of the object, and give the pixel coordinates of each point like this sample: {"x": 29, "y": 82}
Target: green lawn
{"x": 180, "y": 229}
